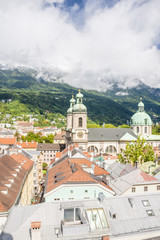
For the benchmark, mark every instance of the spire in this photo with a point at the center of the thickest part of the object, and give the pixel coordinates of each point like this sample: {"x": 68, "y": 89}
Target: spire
{"x": 140, "y": 106}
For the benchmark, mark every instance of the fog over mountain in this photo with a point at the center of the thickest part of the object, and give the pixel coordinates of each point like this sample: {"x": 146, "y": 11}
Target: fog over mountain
{"x": 89, "y": 44}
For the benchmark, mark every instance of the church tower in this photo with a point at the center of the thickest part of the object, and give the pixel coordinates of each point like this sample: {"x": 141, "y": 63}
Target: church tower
{"x": 141, "y": 121}
{"x": 77, "y": 122}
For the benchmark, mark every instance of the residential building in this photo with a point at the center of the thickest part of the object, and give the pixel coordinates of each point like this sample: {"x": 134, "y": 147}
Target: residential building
{"x": 48, "y": 151}
{"x": 60, "y": 138}
{"x": 15, "y": 184}
{"x": 75, "y": 177}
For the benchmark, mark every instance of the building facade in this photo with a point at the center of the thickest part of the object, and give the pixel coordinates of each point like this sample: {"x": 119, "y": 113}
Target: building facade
{"x": 106, "y": 140}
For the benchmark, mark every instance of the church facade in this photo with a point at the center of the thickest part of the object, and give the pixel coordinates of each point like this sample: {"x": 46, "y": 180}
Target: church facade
{"x": 106, "y": 140}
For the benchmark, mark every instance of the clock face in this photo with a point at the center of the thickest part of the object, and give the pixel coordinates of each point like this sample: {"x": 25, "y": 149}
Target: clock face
{"x": 80, "y": 134}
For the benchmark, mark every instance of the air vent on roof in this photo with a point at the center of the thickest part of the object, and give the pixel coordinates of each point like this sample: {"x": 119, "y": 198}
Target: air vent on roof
{"x": 58, "y": 179}
{"x": 58, "y": 174}
{"x": 112, "y": 213}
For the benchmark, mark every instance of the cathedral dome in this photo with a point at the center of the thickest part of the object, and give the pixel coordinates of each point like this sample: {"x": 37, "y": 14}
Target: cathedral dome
{"x": 141, "y": 117}
{"x": 79, "y": 107}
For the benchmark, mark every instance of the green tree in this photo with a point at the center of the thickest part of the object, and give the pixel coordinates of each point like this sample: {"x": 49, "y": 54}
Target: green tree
{"x": 124, "y": 126}
{"x": 109, "y": 125}
{"x": 17, "y": 135}
{"x": 137, "y": 151}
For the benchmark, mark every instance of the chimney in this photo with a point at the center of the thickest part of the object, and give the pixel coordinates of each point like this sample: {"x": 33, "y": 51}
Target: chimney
{"x": 19, "y": 149}
{"x": 136, "y": 164}
{"x": 149, "y": 169}
{"x": 35, "y": 230}
{"x": 69, "y": 151}
{"x": 92, "y": 170}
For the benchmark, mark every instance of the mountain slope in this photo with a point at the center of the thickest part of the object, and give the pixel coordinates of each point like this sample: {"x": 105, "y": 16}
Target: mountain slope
{"x": 114, "y": 106}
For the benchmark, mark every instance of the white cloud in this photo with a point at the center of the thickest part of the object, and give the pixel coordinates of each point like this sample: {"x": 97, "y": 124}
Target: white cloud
{"x": 114, "y": 43}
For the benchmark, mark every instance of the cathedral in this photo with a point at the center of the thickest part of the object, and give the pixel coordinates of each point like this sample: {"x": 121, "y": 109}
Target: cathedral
{"x": 106, "y": 140}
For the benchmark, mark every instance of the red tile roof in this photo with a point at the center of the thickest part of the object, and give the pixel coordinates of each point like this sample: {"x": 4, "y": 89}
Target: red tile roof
{"x": 35, "y": 224}
{"x": 58, "y": 155}
{"x": 146, "y": 177}
{"x": 8, "y": 167}
{"x": 20, "y": 158}
{"x": 60, "y": 136}
{"x": 87, "y": 154}
{"x": 82, "y": 161}
{"x": 68, "y": 172}
{"x": 26, "y": 145}
{"x": 8, "y": 141}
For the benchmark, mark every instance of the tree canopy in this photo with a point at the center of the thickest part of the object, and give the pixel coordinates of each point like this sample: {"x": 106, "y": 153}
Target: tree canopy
{"x": 137, "y": 151}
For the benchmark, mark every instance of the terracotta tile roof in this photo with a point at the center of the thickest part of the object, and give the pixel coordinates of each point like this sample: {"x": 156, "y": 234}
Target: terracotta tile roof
{"x": 35, "y": 224}
{"x": 87, "y": 154}
{"x": 60, "y": 136}
{"x": 8, "y": 141}
{"x": 24, "y": 124}
{"x": 146, "y": 177}
{"x": 26, "y": 145}
{"x": 52, "y": 161}
{"x": 82, "y": 161}
{"x": 58, "y": 155}
{"x": 20, "y": 158}
{"x": 8, "y": 166}
{"x": 71, "y": 147}
{"x": 68, "y": 172}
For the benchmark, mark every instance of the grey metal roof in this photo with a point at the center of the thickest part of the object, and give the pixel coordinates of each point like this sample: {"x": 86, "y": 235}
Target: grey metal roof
{"x": 118, "y": 169}
{"x": 48, "y": 147}
{"x": 136, "y": 177}
{"x": 108, "y": 134}
{"x": 131, "y": 218}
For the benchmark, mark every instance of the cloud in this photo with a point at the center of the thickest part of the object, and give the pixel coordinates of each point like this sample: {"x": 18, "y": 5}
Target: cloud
{"x": 94, "y": 46}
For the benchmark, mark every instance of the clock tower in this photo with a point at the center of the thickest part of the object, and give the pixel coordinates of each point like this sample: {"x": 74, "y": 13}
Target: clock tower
{"x": 79, "y": 132}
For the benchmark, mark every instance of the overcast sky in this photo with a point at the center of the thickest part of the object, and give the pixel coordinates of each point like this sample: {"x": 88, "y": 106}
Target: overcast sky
{"x": 91, "y": 41}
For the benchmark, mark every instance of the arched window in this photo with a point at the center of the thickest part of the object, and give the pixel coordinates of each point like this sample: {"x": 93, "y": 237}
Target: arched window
{"x": 111, "y": 149}
{"x": 92, "y": 149}
{"x": 145, "y": 130}
{"x": 137, "y": 129}
{"x": 80, "y": 122}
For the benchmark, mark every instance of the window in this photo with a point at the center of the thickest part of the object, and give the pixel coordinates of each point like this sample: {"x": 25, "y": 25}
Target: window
{"x": 145, "y": 120}
{"x": 72, "y": 215}
{"x": 133, "y": 189}
{"x": 92, "y": 149}
{"x": 145, "y": 130}
{"x": 158, "y": 187}
{"x": 150, "y": 213}
{"x": 71, "y": 191}
{"x": 145, "y": 189}
{"x": 137, "y": 129}
{"x": 56, "y": 199}
{"x": 86, "y": 191}
{"x": 80, "y": 122}
{"x": 145, "y": 203}
{"x": 111, "y": 149}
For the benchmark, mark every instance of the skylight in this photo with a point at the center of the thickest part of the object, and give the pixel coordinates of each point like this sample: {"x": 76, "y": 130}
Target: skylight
{"x": 97, "y": 218}
{"x": 150, "y": 212}
{"x": 145, "y": 203}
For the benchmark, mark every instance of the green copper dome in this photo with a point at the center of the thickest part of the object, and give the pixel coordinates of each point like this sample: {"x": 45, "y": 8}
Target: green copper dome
{"x": 141, "y": 117}
{"x": 79, "y": 95}
{"x": 79, "y": 106}
{"x": 72, "y": 103}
